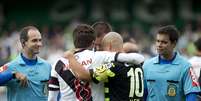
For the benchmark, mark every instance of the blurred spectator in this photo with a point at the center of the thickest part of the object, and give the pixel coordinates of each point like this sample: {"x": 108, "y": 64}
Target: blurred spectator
{"x": 3, "y": 93}
{"x": 2, "y": 20}
{"x": 185, "y": 43}
{"x": 10, "y": 42}
{"x": 68, "y": 30}
{"x": 55, "y": 49}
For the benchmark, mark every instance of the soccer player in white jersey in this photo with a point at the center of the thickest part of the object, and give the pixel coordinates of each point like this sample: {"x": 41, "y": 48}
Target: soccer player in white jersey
{"x": 196, "y": 62}
{"x": 123, "y": 81}
{"x": 63, "y": 80}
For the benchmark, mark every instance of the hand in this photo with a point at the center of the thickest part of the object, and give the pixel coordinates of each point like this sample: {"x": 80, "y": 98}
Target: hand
{"x": 103, "y": 72}
{"x": 68, "y": 54}
{"x": 22, "y": 78}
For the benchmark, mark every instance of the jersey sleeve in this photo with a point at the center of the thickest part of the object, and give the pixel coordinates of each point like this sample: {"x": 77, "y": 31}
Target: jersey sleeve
{"x": 190, "y": 82}
{"x": 53, "y": 84}
{"x": 5, "y": 75}
{"x": 102, "y": 57}
{"x": 52, "y": 96}
{"x": 105, "y": 57}
{"x": 134, "y": 58}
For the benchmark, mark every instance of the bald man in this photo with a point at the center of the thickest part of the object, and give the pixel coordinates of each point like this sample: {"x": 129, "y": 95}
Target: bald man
{"x": 112, "y": 42}
{"x": 123, "y": 81}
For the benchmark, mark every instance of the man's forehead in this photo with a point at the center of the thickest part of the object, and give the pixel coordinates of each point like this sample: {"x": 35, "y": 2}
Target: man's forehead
{"x": 162, "y": 36}
{"x": 34, "y": 33}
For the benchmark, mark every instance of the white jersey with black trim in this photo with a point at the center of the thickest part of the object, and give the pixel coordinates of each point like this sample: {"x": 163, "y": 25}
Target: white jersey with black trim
{"x": 196, "y": 65}
{"x": 72, "y": 89}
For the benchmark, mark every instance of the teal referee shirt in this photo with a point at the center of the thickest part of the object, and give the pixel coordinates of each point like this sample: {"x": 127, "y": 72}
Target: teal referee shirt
{"x": 37, "y": 75}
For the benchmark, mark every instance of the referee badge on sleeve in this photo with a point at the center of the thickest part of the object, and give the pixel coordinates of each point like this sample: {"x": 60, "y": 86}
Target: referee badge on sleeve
{"x": 172, "y": 89}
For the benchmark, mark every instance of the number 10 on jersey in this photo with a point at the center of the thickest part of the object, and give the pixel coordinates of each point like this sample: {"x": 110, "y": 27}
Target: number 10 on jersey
{"x": 136, "y": 81}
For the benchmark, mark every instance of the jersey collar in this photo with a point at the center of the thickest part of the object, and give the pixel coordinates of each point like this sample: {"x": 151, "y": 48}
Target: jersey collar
{"x": 21, "y": 61}
{"x": 175, "y": 61}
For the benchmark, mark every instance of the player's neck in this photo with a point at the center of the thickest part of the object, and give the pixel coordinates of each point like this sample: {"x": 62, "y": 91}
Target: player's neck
{"x": 29, "y": 55}
{"x": 77, "y": 50}
{"x": 168, "y": 56}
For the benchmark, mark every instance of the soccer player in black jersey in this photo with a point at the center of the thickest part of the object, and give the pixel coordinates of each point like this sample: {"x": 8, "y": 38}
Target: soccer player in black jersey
{"x": 123, "y": 81}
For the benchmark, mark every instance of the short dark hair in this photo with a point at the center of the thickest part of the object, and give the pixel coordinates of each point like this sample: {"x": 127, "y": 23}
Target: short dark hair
{"x": 83, "y": 36}
{"x": 101, "y": 28}
{"x": 198, "y": 44}
{"x": 24, "y": 33}
{"x": 171, "y": 31}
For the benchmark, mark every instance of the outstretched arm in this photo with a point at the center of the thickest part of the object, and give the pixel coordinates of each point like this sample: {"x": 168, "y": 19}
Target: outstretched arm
{"x": 5, "y": 76}
{"x": 8, "y": 75}
{"x": 134, "y": 58}
{"x": 83, "y": 74}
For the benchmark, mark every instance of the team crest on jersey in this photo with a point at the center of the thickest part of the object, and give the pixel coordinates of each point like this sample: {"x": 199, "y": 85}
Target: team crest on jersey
{"x": 193, "y": 77}
{"x": 3, "y": 68}
{"x": 172, "y": 89}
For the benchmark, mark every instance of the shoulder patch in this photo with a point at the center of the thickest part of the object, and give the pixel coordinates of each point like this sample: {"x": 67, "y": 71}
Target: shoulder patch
{"x": 3, "y": 68}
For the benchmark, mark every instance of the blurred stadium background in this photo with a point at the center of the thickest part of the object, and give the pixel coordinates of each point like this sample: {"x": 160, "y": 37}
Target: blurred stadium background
{"x": 135, "y": 19}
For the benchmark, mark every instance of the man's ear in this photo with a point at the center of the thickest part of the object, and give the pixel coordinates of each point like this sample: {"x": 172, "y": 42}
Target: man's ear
{"x": 93, "y": 45}
{"x": 23, "y": 43}
{"x": 175, "y": 43}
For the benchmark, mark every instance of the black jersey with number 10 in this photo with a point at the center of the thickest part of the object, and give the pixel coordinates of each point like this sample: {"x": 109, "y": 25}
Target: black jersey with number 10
{"x": 127, "y": 84}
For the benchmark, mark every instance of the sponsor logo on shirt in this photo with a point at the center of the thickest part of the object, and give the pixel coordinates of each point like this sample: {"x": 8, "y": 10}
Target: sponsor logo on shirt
{"x": 86, "y": 62}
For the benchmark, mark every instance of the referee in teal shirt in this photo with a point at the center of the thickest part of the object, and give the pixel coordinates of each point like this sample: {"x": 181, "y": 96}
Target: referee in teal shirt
{"x": 169, "y": 76}
{"x": 26, "y": 76}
